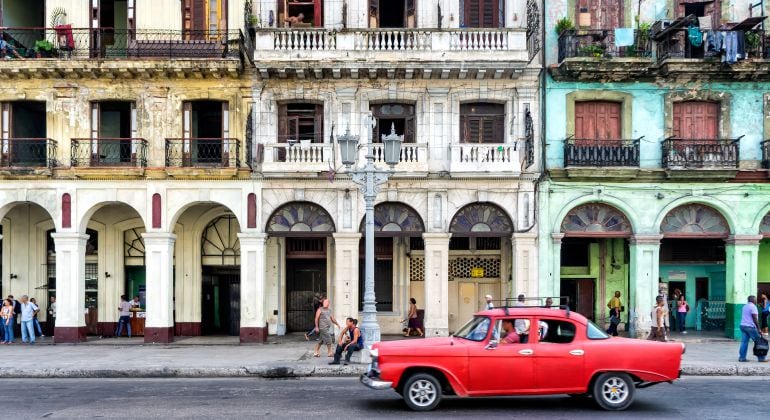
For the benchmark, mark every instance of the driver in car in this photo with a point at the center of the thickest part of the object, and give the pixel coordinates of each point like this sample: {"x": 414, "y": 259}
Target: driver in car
{"x": 510, "y": 333}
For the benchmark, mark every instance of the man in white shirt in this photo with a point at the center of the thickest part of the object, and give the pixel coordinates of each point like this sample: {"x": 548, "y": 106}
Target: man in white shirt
{"x": 28, "y": 311}
{"x": 490, "y": 305}
{"x": 125, "y": 316}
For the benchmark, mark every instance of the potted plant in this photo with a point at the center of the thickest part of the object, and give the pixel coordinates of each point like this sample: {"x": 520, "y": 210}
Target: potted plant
{"x": 564, "y": 24}
{"x": 752, "y": 43}
{"x": 43, "y": 48}
{"x": 253, "y": 20}
{"x": 591, "y": 51}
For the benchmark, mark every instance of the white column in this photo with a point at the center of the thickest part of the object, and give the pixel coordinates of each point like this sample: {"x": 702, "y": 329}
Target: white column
{"x": 70, "y": 287}
{"x": 524, "y": 256}
{"x": 159, "y": 263}
{"x": 554, "y": 287}
{"x": 741, "y": 252}
{"x": 644, "y": 266}
{"x": 253, "y": 320}
{"x": 436, "y": 284}
{"x": 345, "y": 299}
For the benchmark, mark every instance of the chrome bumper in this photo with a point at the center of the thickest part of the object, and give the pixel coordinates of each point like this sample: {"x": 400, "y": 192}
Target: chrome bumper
{"x": 375, "y": 383}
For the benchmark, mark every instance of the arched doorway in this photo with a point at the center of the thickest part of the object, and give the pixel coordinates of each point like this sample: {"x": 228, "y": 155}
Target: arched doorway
{"x": 692, "y": 258}
{"x": 302, "y": 230}
{"x": 594, "y": 258}
{"x": 221, "y": 277}
{"x": 479, "y": 259}
{"x": 398, "y": 231}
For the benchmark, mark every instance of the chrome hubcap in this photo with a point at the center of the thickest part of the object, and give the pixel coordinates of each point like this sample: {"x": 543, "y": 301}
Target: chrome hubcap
{"x": 422, "y": 393}
{"x": 614, "y": 390}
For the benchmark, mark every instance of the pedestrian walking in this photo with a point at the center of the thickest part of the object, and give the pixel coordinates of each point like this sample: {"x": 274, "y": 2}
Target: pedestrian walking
{"x": 615, "y": 306}
{"x": 659, "y": 315}
{"x": 51, "y": 322}
{"x": 414, "y": 321}
{"x": 124, "y": 310}
{"x": 490, "y": 304}
{"x": 35, "y": 321}
{"x": 317, "y": 298}
{"x": 682, "y": 307}
{"x": 749, "y": 329}
{"x": 28, "y": 311}
{"x": 764, "y": 310}
{"x": 323, "y": 324}
{"x": 6, "y": 317}
{"x": 350, "y": 341}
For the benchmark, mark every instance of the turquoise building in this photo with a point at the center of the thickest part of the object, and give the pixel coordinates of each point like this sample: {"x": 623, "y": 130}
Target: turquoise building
{"x": 655, "y": 118}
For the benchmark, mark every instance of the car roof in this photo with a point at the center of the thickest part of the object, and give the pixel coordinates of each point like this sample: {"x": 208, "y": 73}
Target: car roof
{"x": 533, "y": 311}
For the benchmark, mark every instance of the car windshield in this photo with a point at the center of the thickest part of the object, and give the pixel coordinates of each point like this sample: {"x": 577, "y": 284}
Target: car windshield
{"x": 596, "y": 333}
{"x": 475, "y": 330}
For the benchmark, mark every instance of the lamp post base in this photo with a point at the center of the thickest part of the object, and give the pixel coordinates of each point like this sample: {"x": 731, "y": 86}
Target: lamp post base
{"x": 370, "y": 329}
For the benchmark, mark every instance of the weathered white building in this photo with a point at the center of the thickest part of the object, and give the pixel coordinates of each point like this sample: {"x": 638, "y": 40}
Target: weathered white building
{"x": 185, "y": 152}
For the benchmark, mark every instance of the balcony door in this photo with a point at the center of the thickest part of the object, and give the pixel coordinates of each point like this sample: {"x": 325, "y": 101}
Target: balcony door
{"x": 483, "y": 13}
{"x": 300, "y": 13}
{"x": 204, "y": 19}
{"x": 700, "y": 8}
{"x": 696, "y": 120}
{"x": 23, "y": 131}
{"x": 482, "y": 123}
{"x": 112, "y": 26}
{"x": 600, "y": 14}
{"x": 597, "y": 120}
{"x": 399, "y": 117}
{"x": 113, "y": 126}
{"x": 205, "y": 131}
{"x": 392, "y": 14}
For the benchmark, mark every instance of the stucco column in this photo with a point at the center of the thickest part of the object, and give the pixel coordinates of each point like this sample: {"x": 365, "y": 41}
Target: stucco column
{"x": 345, "y": 288}
{"x": 253, "y": 321}
{"x": 741, "y": 252}
{"x": 70, "y": 287}
{"x": 436, "y": 284}
{"x": 524, "y": 256}
{"x": 159, "y": 263}
{"x": 644, "y": 267}
{"x": 554, "y": 286}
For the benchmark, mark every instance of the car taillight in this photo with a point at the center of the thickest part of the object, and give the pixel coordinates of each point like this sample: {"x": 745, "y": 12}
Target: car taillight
{"x": 684, "y": 348}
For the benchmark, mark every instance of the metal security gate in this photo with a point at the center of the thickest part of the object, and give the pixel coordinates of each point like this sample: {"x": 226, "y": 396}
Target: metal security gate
{"x": 304, "y": 279}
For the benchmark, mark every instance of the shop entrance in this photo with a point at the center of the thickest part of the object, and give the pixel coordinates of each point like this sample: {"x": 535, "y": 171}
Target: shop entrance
{"x": 220, "y": 306}
{"x": 304, "y": 279}
{"x": 581, "y": 294}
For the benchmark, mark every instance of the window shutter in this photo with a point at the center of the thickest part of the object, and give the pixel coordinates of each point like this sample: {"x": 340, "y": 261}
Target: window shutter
{"x": 498, "y": 127}
{"x": 131, "y": 18}
{"x": 409, "y": 130}
{"x": 283, "y": 124}
{"x": 187, "y": 120}
{"x": 318, "y": 124}
{"x": 133, "y": 120}
{"x": 409, "y": 19}
{"x": 225, "y": 119}
{"x": 94, "y": 120}
{"x": 374, "y": 13}
{"x": 472, "y": 17}
{"x": 199, "y": 16}
{"x": 6, "y": 122}
{"x": 318, "y": 19}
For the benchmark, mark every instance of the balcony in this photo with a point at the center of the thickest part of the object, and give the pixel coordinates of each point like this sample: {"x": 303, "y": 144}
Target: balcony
{"x": 594, "y": 55}
{"x": 391, "y": 53}
{"x": 28, "y": 153}
{"x": 412, "y": 158}
{"x": 109, "y": 152}
{"x": 123, "y": 53}
{"x": 707, "y": 154}
{"x": 203, "y": 153}
{"x": 601, "y": 153}
{"x": 483, "y": 159}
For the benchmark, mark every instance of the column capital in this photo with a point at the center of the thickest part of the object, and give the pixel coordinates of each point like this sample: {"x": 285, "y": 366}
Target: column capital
{"x": 347, "y": 236}
{"x": 523, "y": 236}
{"x": 557, "y": 237}
{"x": 158, "y": 237}
{"x": 252, "y": 236}
{"x": 69, "y": 236}
{"x": 646, "y": 239}
{"x": 436, "y": 237}
{"x": 743, "y": 239}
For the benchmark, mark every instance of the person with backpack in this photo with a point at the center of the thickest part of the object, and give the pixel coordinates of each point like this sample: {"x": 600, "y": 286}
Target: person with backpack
{"x": 750, "y": 331}
{"x": 615, "y": 307}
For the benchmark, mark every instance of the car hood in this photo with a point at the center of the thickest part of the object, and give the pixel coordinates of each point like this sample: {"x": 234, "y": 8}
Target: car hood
{"x": 398, "y": 345}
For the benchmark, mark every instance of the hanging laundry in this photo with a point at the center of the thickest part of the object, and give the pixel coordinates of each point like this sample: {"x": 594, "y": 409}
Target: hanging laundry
{"x": 741, "y": 45}
{"x": 695, "y": 36}
{"x": 624, "y": 37}
{"x": 730, "y": 55}
{"x": 713, "y": 42}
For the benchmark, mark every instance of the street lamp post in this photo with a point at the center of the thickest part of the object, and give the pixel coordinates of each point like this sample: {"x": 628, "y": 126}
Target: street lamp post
{"x": 369, "y": 179}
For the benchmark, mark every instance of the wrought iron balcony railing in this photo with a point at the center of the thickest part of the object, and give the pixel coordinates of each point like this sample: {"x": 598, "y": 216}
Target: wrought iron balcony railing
{"x": 601, "y": 43}
{"x": 203, "y": 152}
{"x": 701, "y": 153}
{"x": 28, "y": 153}
{"x": 102, "y": 152}
{"x": 601, "y": 152}
{"x": 110, "y": 43}
{"x": 674, "y": 43}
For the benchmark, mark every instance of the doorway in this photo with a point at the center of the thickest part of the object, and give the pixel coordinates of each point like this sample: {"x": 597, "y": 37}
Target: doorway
{"x": 581, "y": 294}
{"x": 221, "y": 301}
{"x": 304, "y": 279}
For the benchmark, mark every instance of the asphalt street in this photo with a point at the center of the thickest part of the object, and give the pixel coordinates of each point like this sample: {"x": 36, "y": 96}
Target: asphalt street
{"x": 690, "y": 398}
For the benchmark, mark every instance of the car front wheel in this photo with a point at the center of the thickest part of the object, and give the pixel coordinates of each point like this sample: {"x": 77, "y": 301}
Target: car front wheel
{"x": 613, "y": 391}
{"x": 422, "y": 392}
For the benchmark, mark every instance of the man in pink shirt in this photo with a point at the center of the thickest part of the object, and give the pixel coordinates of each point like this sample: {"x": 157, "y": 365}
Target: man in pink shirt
{"x": 511, "y": 336}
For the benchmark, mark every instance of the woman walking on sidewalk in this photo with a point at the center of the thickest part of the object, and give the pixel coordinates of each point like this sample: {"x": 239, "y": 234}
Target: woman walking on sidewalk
{"x": 414, "y": 321}
{"x": 681, "y": 313}
{"x": 6, "y": 315}
{"x": 764, "y": 307}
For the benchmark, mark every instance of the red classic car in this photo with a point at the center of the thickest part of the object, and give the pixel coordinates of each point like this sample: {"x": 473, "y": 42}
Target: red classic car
{"x": 523, "y": 351}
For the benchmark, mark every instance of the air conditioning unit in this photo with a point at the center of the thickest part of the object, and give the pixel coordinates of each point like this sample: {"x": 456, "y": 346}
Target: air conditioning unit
{"x": 660, "y": 25}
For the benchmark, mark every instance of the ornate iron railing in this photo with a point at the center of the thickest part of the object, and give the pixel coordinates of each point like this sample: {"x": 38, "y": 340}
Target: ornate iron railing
{"x": 701, "y": 153}
{"x": 600, "y": 43}
{"x": 110, "y": 43}
{"x": 675, "y": 44}
{"x": 28, "y": 153}
{"x": 109, "y": 152}
{"x": 601, "y": 153}
{"x": 203, "y": 152}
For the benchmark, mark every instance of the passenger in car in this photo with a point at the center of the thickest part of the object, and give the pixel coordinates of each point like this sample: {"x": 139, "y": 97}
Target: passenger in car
{"x": 522, "y": 329}
{"x": 510, "y": 336}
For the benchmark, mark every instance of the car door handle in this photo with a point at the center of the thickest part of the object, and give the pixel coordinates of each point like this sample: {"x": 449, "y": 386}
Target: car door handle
{"x": 526, "y": 352}
{"x": 577, "y": 352}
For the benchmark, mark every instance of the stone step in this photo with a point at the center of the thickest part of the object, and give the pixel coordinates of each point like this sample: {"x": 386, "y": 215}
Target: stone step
{"x": 361, "y": 356}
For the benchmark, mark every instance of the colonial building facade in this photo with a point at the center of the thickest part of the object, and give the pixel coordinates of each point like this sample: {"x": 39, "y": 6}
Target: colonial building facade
{"x": 186, "y": 153}
{"x": 656, "y": 157}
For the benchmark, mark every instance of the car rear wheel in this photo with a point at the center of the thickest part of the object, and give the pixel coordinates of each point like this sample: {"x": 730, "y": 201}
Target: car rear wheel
{"x": 422, "y": 392}
{"x": 613, "y": 391}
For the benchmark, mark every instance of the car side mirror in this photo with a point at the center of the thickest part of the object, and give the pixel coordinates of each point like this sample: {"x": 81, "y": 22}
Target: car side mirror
{"x": 492, "y": 345}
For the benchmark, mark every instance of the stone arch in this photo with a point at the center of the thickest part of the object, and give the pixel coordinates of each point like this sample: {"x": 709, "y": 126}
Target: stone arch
{"x": 605, "y": 199}
{"x": 302, "y": 218}
{"x": 764, "y": 227}
{"x": 694, "y": 220}
{"x": 220, "y": 240}
{"x": 596, "y": 220}
{"x": 481, "y": 219}
{"x": 178, "y": 212}
{"x": 44, "y": 200}
{"x": 393, "y": 218}
{"x": 85, "y": 210}
{"x": 714, "y": 203}
{"x": 762, "y": 219}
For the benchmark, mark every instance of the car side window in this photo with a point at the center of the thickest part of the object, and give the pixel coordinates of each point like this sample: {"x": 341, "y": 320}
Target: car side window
{"x": 556, "y": 331}
{"x": 512, "y": 331}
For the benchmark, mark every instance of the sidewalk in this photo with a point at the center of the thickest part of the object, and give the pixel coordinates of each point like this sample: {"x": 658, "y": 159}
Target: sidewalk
{"x": 288, "y": 356}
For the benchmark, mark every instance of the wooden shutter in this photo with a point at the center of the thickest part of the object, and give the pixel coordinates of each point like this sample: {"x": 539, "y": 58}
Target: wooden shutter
{"x": 318, "y": 18}
{"x": 498, "y": 127}
{"x": 696, "y": 120}
{"x": 283, "y": 123}
{"x": 374, "y": 13}
{"x": 131, "y": 18}
{"x": 597, "y": 120}
{"x": 225, "y": 119}
{"x": 409, "y": 14}
{"x": 318, "y": 124}
{"x": 94, "y": 120}
{"x": 409, "y": 130}
{"x": 482, "y": 13}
